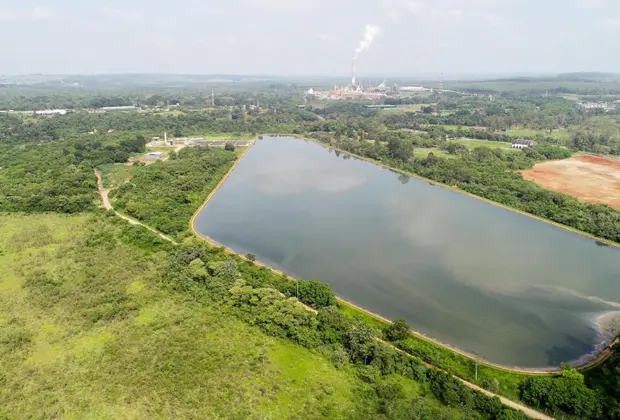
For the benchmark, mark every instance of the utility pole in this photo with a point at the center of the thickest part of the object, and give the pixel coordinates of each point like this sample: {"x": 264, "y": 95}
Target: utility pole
{"x": 212, "y": 97}
{"x": 440, "y": 94}
{"x": 441, "y": 86}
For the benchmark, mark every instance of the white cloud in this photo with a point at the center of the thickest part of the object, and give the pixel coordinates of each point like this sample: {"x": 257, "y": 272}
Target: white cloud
{"x": 120, "y": 15}
{"x": 492, "y": 19}
{"x": 590, "y": 4}
{"x": 33, "y": 14}
{"x": 41, "y": 13}
{"x": 416, "y": 7}
{"x": 284, "y": 6}
{"x": 612, "y": 24}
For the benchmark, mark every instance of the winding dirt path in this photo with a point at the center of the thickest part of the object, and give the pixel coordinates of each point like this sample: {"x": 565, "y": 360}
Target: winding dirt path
{"x": 103, "y": 193}
{"x": 530, "y": 412}
{"x": 506, "y": 402}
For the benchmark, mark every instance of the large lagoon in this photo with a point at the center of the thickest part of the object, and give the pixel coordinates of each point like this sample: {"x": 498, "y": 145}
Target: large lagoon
{"x": 500, "y": 285}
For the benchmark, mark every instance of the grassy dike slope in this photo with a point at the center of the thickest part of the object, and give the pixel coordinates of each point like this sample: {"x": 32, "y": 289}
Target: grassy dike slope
{"x": 88, "y": 330}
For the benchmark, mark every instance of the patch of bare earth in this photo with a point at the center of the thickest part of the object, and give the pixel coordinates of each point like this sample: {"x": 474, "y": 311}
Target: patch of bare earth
{"x": 592, "y": 179}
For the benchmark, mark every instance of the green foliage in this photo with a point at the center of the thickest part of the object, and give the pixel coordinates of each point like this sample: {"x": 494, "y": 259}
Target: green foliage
{"x": 547, "y": 152}
{"x": 397, "y": 330}
{"x": 47, "y": 165}
{"x": 492, "y": 174}
{"x": 333, "y": 325}
{"x": 400, "y": 149}
{"x": 389, "y": 393}
{"x": 491, "y": 384}
{"x": 359, "y": 340}
{"x": 197, "y": 270}
{"x": 226, "y": 270}
{"x": 90, "y": 328}
{"x": 597, "y": 135}
{"x": 275, "y": 314}
{"x": 316, "y": 294}
{"x": 565, "y": 394}
{"x": 605, "y": 379}
{"x": 56, "y": 176}
{"x": 165, "y": 195}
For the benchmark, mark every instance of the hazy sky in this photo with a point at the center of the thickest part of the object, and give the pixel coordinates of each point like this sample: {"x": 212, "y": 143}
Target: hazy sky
{"x": 309, "y": 37}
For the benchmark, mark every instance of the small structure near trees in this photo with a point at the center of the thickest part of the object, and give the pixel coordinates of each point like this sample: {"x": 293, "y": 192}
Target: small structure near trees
{"x": 523, "y": 143}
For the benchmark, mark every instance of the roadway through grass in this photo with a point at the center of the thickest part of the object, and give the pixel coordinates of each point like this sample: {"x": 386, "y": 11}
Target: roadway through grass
{"x": 473, "y": 143}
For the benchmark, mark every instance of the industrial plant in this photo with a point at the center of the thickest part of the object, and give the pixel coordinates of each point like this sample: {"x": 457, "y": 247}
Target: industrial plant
{"x": 368, "y": 91}
{"x": 357, "y": 90}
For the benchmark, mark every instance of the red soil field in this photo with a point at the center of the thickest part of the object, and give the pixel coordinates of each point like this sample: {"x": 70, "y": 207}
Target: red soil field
{"x": 592, "y": 179}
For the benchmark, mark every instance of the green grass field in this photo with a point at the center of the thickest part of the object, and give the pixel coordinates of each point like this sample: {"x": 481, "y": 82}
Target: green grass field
{"x": 421, "y": 153}
{"x": 452, "y": 127}
{"x": 533, "y": 84}
{"x": 472, "y": 144}
{"x": 408, "y": 108}
{"x": 89, "y": 331}
{"x": 160, "y": 149}
{"x": 444, "y": 358}
{"x": 229, "y": 136}
{"x": 560, "y": 134}
{"x": 87, "y": 338}
{"x": 172, "y": 113}
{"x": 114, "y": 175}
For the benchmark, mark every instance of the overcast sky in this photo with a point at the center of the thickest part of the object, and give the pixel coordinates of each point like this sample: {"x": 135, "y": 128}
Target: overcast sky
{"x": 309, "y": 37}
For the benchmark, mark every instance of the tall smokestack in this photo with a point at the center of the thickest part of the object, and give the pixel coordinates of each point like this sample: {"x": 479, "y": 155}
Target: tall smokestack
{"x": 370, "y": 33}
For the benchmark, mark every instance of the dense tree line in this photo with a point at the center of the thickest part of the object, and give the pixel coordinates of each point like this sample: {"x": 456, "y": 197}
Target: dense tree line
{"x": 348, "y": 341}
{"x": 56, "y": 176}
{"x": 565, "y": 394}
{"x": 28, "y": 98}
{"x": 476, "y": 117}
{"x": 165, "y": 195}
{"x": 47, "y": 165}
{"x": 605, "y": 380}
{"x": 597, "y": 135}
{"x": 492, "y": 174}
{"x": 262, "y": 298}
{"x": 15, "y": 129}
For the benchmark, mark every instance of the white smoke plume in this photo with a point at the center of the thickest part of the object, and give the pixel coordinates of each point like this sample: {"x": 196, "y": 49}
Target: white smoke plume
{"x": 369, "y": 36}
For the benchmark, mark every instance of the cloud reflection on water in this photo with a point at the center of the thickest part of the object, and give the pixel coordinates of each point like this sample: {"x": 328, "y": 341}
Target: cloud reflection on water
{"x": 296, "y": 175}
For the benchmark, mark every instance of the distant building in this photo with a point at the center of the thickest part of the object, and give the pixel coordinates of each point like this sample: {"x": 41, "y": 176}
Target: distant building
{"x": 188, "y": 141}
{"x": 380, "y": 106}
{"x": 50, "y": 112}
{"x": 523, "y": 144}
{"x": 118, "y": 108}
{"x": 605, "y": 106}
{"x": 413, "y": 89}
{"x": 154, "y": 155}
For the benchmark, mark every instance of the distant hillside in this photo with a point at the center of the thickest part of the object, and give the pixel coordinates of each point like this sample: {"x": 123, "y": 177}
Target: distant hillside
{"x": 590, "y": 77}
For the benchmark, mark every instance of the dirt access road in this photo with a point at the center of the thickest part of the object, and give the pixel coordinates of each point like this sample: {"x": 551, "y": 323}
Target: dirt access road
{"x": 103, "y": 193}
{"x": 508, "y": 403}
{"x": 530, "y": 412}
{"x": 591, "y": 179}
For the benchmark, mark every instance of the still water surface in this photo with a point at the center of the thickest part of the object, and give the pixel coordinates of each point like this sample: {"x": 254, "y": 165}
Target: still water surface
{"x": 503, "y": 286}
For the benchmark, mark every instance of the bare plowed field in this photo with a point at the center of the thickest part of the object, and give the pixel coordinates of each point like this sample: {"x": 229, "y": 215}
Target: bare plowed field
{"x": 592, "y": 179}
